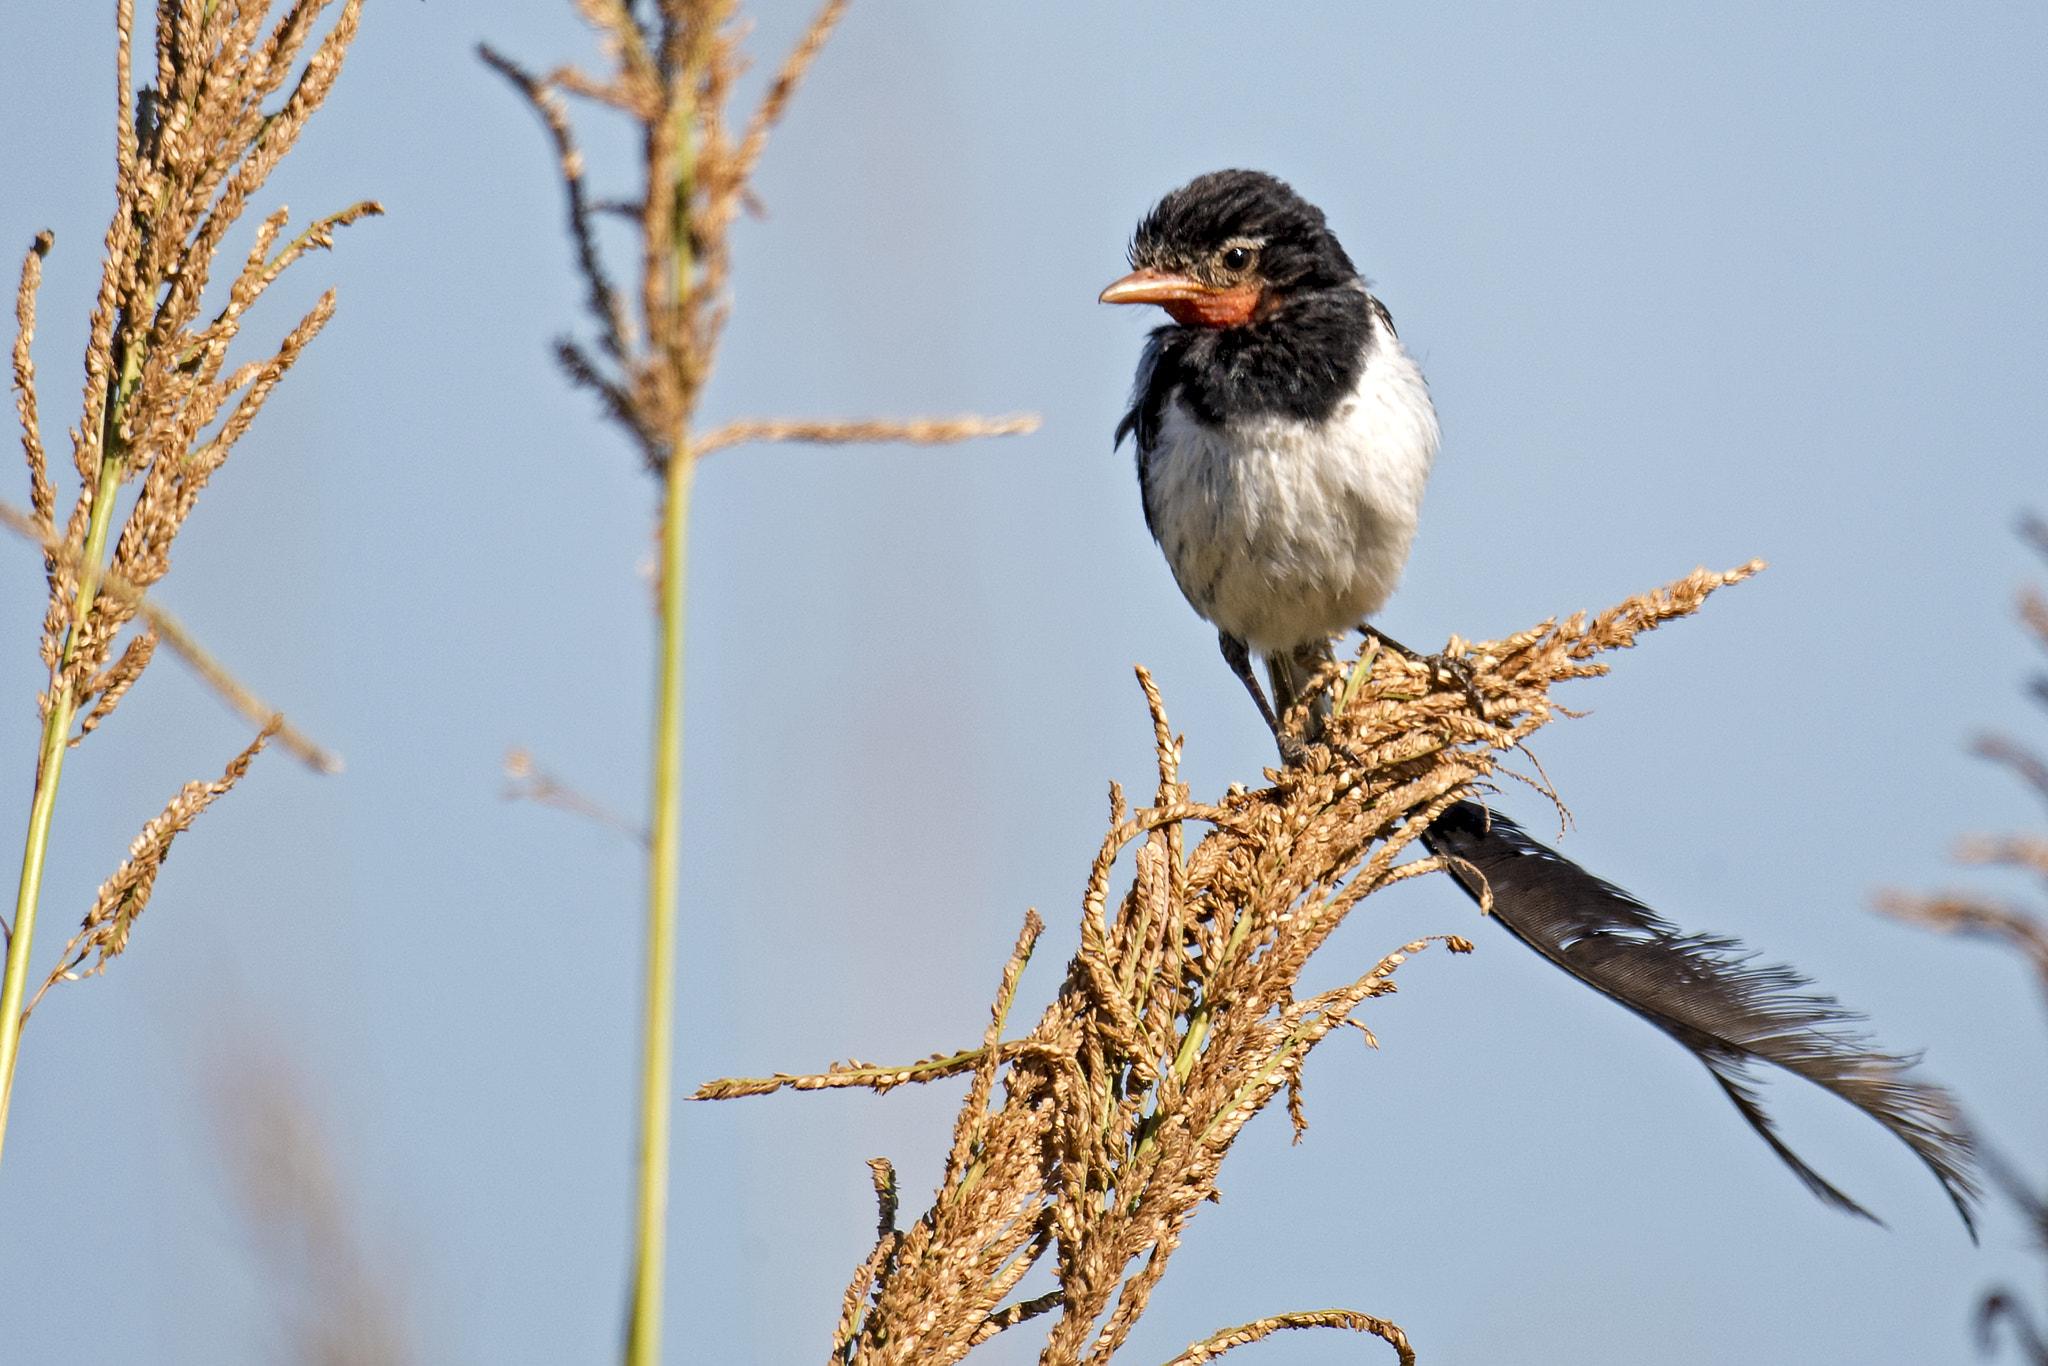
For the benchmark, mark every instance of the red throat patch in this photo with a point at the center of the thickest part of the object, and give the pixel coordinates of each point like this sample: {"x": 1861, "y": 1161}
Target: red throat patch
{"x": 1231, "y": 307}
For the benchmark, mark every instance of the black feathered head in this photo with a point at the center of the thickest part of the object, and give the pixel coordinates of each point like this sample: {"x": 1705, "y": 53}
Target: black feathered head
{"x": 1227, "y": 248}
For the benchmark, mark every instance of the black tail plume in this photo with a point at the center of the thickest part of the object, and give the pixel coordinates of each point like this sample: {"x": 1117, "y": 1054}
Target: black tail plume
{"x": 1705, "y": 992}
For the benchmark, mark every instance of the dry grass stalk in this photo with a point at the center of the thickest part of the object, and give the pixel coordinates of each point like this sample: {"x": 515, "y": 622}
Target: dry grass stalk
{"x": 2020, "y": 928}
{"x": 1208, "y": 1349}
{"x": 671, "y": 66}
{"x": 42, "y": 498}
{"x": 930, "y": 431}
{"x": 1967, "y": 912}
{"x": 1178, "y": 1020}
{"x": 337, "y": 1302}
{"x": 124, "y": 896}
{"x": 672, "y": 74}
{"x": 2026, "y": 765}
{"x": 231, "y": 90}
{"x": 526, "y": 781}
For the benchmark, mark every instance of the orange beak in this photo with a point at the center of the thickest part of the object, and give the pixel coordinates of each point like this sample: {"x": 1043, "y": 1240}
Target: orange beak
{"x": 1150, "y": 286}
{"x": 1191, "y": 302}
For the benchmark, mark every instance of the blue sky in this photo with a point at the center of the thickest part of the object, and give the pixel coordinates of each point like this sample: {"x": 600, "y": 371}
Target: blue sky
{"x": 1689, "y": 286}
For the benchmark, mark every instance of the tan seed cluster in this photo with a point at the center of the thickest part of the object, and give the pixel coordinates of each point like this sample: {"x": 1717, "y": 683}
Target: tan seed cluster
{"x": 2021, "y": 928}
{"x": 231, "y": 87}
{"x": 653, "y": 354}
{"x": 1972, "y": 913}
{"x": 162, "y": 409}
{"x": 1177, "y": 1020}
{"x": 124, "y": 896}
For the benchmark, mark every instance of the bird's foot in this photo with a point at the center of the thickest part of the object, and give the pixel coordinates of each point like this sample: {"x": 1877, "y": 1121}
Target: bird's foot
{"x": 1295, "y": 751}
{"x": 1441, "y": 667}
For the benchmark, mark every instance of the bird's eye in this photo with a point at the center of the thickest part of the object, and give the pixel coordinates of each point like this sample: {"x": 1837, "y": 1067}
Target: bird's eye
{"x": 1236, "y": 258}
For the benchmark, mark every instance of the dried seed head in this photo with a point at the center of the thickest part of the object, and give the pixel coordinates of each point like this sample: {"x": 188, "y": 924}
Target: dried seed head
{"x": 225, "y": 108}
{"x": 1178, "y": 1018}
{"x": 124, "y": 896}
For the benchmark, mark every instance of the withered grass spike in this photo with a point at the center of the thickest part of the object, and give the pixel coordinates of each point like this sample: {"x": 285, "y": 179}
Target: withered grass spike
{"x": 1209, "y": 1348}
{"x": 335, "y": 1300}
{"x": 42, "y": 498}
{"x": 670, "y": 68}
{"x": 602, "y": 299}
{"x": 527, "y": 782}
{"x": 776, "y": 102}
{"x": 2029, "y": 766}
{"x": 673, "y": 70}
{"x": 2021, "y": 928}
{"x": 1177, "y": 1019}
{"x": 1009, "y": 1317}
{"x": 2028, "y": 852}
{"x": 992, "y": 1041}
{"x": 883, "y": 1173}
{"x": 923, "y": 431}
{"x": 157, "y": 407}
{"x": 124, "y": 896}
{"x": 1965, "y": 914}
{"x": 878, "y": 1079}
{"x": 2033, "y": 610}
{"x": 227, "y": 104}
{"x": 114, "y": 683}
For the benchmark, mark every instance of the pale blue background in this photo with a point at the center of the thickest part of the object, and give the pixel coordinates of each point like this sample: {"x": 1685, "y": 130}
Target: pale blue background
{"x": 1759, "y": 280}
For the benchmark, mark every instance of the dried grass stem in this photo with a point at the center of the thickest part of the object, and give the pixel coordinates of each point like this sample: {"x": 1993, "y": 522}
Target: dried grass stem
{"x": 924, "y": 431}
{"x": 671, "y": 66}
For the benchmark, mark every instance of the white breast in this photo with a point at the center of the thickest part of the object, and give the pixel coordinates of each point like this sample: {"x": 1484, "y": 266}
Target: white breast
{"x": 1283, "y": 532}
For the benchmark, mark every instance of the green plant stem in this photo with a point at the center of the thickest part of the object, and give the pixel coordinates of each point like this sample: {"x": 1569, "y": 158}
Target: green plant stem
{"x": 49, "y": 770}
{"x": 650, "y": 1249}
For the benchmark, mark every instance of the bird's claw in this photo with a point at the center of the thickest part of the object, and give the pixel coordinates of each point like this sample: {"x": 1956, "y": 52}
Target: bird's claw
{"x": 1294, "y": 751}
{"x": 1442, "y": 666}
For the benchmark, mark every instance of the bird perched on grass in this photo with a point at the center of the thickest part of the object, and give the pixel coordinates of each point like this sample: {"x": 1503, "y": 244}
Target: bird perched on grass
{"x": 1284, "y": 439}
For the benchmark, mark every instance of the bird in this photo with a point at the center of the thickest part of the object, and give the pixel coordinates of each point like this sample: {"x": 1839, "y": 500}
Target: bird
{"x": 1284, "y": 439}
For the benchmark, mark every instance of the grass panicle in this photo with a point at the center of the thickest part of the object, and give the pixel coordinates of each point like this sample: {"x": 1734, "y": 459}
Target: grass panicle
{"x": 671, "y": 69}
{"x": 335, "y": 1297}
{"x": 2018, "y": 927}
{"x": 1178, "y": 1019}
{"x": 231, "y": 87}
{"x": 104, "y": 934}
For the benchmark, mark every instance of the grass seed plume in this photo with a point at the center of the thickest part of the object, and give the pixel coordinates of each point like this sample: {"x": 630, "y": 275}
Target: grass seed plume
{"x": 229, "y": 88}
{"x": 1178, "y": 1019}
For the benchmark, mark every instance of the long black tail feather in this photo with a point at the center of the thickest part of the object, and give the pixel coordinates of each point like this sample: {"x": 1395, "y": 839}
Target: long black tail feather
{"x": 1705, "y": 992}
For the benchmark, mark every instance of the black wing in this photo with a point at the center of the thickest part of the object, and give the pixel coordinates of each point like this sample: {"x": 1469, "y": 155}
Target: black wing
{"x": 1158, "y": 373}
{"x": 1149, "y": 393}
{"x": 1705, "y": 992}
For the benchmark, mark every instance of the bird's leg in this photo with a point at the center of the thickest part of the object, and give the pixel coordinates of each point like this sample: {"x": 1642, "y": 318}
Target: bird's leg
{"x": 1291, "y": 673}
{"x": 1441, "y": 666}
{"x": 1310, "y": 659}
{"x": 1238, "y": 656}
{"x": 1286, "y": 692}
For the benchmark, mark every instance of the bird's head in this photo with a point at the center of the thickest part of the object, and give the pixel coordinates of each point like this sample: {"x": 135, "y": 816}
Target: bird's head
{"x": 1230, "y": 248}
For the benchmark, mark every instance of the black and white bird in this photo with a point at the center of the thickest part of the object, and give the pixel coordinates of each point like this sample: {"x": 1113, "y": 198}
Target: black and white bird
{"x": 1284, "y": 439}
